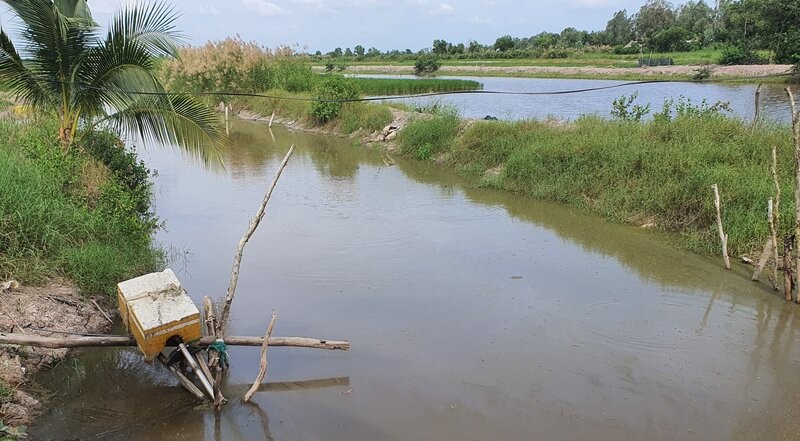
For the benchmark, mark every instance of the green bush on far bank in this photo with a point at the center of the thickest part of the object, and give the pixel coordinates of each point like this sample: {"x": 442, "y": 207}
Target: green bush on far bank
{"x": 74, "y": 215}
{"x": 655, "y": 172}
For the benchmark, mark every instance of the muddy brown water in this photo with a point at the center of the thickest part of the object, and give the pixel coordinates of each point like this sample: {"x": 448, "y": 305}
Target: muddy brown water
{"x": 473, "y": 315}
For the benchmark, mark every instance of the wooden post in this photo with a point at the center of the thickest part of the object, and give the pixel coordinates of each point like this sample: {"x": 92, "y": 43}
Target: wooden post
{"x": 262, "y": 368}
{"x": 271, "y": 118}
{"x": 788, "y": 277}
{"x": 213, "y": 356}
{"x": 237, "y": 259}
{"x": 758, "y": 107}
{"x": 766, "y": 253}
{"x": 722, "y": 236}
{"x": 774, "y": 239}
{"x": 796, "y": 139}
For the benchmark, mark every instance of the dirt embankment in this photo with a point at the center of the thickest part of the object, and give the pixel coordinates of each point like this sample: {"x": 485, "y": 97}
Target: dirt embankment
{"x": 588, "y": 71}
{"x": 39, "y": 311}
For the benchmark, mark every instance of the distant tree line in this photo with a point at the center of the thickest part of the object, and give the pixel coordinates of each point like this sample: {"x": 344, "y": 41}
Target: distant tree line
{"x": 740, "y": 26}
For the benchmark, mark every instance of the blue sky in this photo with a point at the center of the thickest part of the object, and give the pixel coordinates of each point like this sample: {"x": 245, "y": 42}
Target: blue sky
{"x": 385, "y": 24}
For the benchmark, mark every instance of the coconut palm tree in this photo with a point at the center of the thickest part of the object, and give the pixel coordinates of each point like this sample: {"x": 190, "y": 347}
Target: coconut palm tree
{"x": 67, "y": 69}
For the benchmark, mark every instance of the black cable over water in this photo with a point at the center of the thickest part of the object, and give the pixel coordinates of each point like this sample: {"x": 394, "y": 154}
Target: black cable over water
{"x": 421, "y": 95}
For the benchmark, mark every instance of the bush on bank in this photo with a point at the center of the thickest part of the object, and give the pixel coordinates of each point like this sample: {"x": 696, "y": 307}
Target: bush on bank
{"x": 83, "y": 215}
{"x": 655, "y": 172}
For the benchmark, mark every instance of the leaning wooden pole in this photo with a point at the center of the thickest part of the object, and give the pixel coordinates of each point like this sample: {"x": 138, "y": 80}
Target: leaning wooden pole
{"x": 262, "y": 367}
{"x": 110, "y": 341}
{"x": 722, "y": 236}
{"x": 237, "y": 259}
{"x": 796, "y": 139}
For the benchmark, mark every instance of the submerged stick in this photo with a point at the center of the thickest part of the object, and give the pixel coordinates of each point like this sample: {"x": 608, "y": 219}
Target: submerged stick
{"x": 264, "y": 364}
{"x": 110, "y": 341}
{"x": 796, "y": 139}
{"x": 722, "y": 236}
{"x": 237, "y": 259}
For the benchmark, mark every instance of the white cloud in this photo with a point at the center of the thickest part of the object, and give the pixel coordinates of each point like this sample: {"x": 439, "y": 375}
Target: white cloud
{"x": 208, "y": 10}
{"x": 593, "y": 3}
{"x": 264, "y": 8}
{"x": 444, "y": 9}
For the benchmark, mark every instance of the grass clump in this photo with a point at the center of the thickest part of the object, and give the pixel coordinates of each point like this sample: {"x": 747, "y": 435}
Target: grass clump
{"x": 82, "y": 215}
{"x": 426, "y": 137}
{"x": 404, "y": 86}
{"x": 658, "y": 171}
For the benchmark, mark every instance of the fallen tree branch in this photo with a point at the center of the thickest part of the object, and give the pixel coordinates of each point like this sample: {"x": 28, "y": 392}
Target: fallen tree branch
{"x": 237, "y": 258}
{"x": 122, "y": 340}
{"x": 262, "y": 367}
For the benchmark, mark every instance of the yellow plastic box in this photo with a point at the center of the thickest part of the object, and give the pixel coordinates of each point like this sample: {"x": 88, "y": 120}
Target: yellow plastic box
{"x": 154, "y": 308}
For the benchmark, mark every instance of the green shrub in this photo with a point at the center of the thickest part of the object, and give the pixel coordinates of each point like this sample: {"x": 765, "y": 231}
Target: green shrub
{"x": 327, "y": 92}
{"x": 740, "y": 54}
{"x": 624, "y": 109}
{"x": 426, "y": 64}
{"x": 51, "y": 227}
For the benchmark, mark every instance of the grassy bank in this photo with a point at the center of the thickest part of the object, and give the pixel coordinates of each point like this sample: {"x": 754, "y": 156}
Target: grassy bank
{"x": 656, "y": 173}
{"x": 83, "y": 215}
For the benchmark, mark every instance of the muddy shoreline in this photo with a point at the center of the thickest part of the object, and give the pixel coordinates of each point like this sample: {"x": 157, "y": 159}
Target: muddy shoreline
{"x": 40, "y": 311}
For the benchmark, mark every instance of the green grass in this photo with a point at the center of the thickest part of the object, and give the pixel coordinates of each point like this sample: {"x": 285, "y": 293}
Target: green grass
{"x": 398, "y": 86}
{"x": 66, "y": 215}
{"x": 653, "y": 172}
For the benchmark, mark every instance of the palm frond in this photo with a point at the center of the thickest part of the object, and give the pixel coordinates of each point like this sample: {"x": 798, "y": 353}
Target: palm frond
{"x": 152, "y": 25}
{"x": 174, "y": 119}
{"x": 18, "y": 79}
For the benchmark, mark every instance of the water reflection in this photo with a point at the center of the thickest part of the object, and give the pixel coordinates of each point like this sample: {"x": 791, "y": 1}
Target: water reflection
{"x": 775, "y": 105}
{"x": 473, "y": 314}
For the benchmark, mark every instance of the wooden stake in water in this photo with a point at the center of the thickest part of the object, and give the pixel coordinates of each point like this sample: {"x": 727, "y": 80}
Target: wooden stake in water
{"x": 774, "y": 238}
{"x": 722, "y": 236}
{"x": 758, "y": 106}
{"x": 271, "y": 118}
{"x": 796, "y": 139}
{"x": 262, "y": 368}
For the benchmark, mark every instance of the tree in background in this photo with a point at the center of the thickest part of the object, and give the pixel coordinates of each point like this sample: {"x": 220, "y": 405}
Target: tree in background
{"x": 504, "y": 43}
{"x": 619, "y": 30}
{"x": 697, "y": 19}
{"x": 359, "y": 50}
{"x": 66, "y": 69}
{"x": 654, "y": 17}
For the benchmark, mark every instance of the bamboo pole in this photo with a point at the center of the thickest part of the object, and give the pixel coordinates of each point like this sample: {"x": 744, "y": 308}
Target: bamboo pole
{"x": 237, "y": 259}
{"x": 11, "y": 338}
{"x": 264, "y": 364}
{"x": 270, "y": 119}
{"x": 796, "y": 139}
{"x": 722, "y": 236}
